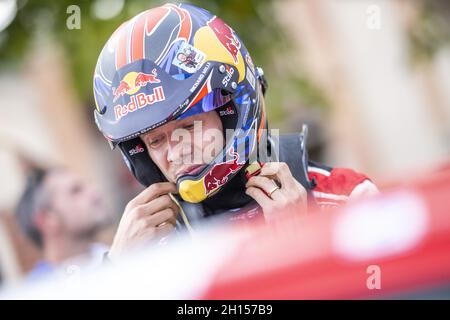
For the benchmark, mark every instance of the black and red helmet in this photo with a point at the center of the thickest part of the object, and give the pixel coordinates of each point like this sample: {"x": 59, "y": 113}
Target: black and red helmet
{"x": 171, "y": 62}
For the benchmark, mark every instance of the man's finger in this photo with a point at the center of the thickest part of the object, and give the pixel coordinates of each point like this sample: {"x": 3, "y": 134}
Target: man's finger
{"x": 281, "y": 171}
{"x": 172, "y": 221}
{"x": 267, "y": 185}
{"x": 164, "y": 216}
{"x": 165, "y": 229}
{"x": 270, "y": 168}
{"x": 158, "y": 204}
{"x": 154, "y": 191}
{"x": 260, "y": 197}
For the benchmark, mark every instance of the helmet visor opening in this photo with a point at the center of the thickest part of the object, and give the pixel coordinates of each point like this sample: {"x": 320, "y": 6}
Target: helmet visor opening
{"x": 211, "y": 101}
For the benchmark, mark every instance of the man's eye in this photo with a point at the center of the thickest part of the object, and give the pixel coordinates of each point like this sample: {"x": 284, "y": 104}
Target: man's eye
{"x": 156, "y": 142}
{"x": 188, "y": 126}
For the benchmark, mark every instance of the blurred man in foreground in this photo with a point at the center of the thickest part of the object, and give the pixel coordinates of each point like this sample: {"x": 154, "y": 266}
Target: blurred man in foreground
{"x": 61, "y": 215}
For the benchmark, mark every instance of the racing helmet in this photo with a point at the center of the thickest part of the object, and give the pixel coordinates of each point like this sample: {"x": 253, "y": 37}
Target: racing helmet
{"x": 172, "y": 62}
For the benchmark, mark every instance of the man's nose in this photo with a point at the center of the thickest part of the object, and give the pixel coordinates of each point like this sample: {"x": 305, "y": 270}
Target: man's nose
{"x": 177, "y": 150}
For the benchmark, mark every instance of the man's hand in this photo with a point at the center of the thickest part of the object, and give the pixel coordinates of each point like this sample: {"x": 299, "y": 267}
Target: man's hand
{"x": 284, "y": 195}
{"x": 150, "y": 215}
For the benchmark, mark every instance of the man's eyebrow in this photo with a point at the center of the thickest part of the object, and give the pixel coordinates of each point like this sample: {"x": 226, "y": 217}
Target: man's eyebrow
{"x": 150, "y": 134}
{"x": 186, "y": 120}
{"x": 191, "y": 119}
{"x": 182, "y": 122}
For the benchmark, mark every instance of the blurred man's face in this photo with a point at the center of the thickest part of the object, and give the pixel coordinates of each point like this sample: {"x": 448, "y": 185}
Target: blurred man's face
{"x": 185, "y": 146}
{"x": 77, "y": 207}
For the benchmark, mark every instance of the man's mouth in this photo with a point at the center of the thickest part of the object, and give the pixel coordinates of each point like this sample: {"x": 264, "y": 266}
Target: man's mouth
{"x": 190, "y": 170}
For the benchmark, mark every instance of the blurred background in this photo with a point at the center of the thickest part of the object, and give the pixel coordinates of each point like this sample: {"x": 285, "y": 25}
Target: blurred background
{"x": 370, "y": 78}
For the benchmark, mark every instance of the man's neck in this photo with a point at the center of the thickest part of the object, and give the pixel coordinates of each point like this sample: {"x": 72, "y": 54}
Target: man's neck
{"x": 56, "y": 251}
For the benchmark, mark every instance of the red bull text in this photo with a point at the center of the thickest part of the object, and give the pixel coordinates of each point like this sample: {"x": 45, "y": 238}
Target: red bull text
{"x": 139, "y": 101}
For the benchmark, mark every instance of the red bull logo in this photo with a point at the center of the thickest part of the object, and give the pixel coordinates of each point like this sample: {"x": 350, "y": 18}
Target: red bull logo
{"x": 121, "y": 90}
{"x": 142, "y": 79}
{"x": 139, "y": 101}
{"x": 133, "y": 81}
{"x": 225, "y": 35}
{"x": 220, "y": 172}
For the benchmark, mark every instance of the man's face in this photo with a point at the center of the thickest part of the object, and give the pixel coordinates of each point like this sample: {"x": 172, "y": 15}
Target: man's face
{"x": 185, "y": 146}
{"x": 77, "y": 206}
